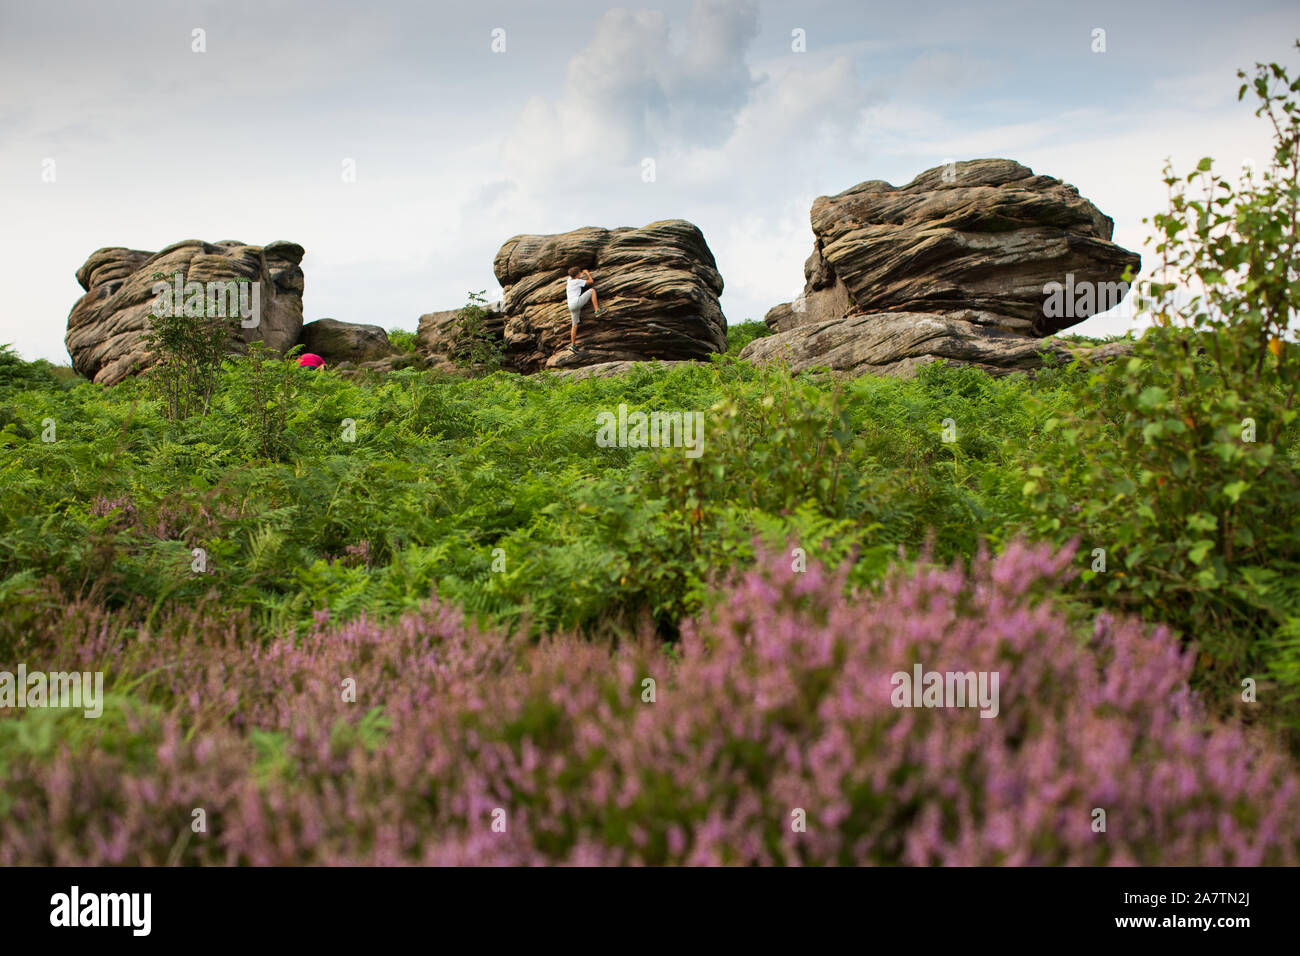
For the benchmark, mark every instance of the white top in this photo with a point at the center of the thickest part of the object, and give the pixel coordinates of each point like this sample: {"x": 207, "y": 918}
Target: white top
{"x": 573, "y": 288}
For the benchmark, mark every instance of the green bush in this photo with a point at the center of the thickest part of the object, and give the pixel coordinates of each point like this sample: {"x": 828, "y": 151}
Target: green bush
{"x": 265, "y": 383}
{"x": 17, "y": 374}
{"x": 1181, "y": 462}
{"x": 474, "y": 347}
{"x": 741, "y": 334}
{"x": 403, "y": 340}
{"x": 187, "y": 351}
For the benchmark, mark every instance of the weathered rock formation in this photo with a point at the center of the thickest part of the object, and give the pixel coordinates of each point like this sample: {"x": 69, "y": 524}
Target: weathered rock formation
{"x": 658, "y": 288}
{"x": 897, "y": 343}
{"x": 107, "y": 325}
{"x": 336, "y": 341}
{"x": 608, "y": 369}
{"x": 965, "y": 253}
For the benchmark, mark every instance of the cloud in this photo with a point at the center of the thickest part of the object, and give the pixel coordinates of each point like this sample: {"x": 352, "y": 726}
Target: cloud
{"x": 794, "y": 125}
{"x": 712, "y": 80}
{"x": 636, "y": 90}
{"x": 489, "y": 196}
{"x": 946, "y": 73}
{"x": 124, "y": 76}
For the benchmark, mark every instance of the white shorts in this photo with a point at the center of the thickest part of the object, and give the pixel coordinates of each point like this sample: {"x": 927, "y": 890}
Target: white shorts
{"x": 575, "y": 307}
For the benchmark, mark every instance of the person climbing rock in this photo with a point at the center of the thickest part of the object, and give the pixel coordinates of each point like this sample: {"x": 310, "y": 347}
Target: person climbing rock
{"x": 578, "y": 298}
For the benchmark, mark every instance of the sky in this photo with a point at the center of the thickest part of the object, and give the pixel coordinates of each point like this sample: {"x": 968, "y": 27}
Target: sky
{"x": 466, "y": 124}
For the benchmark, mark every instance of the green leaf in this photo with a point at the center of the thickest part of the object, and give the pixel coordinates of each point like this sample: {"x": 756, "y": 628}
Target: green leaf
{"x": 1153, "y": 396}
{"x": 1234, "y": 491}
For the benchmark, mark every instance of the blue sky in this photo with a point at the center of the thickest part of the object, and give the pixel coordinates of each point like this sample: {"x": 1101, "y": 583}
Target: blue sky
{"x": 457, "y": 148}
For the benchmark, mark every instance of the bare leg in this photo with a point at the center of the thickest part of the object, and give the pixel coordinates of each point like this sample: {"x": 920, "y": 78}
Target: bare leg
{"x": 595, "y": 301}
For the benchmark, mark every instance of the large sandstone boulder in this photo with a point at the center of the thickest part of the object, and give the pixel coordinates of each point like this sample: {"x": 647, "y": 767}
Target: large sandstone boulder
{"x": 658, "y": 288}
{"x": 978, "y": 243}
{"x": 898, "y": 343}
{"x": 610, "y": 369}
{"x": 336, "y": 341}
{"x": 107, "y": 325}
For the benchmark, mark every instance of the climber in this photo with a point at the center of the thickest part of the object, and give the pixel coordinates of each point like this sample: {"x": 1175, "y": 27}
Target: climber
{"x": 577, "y": 299}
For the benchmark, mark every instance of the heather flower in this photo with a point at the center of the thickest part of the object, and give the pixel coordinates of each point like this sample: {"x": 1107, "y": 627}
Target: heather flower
{"x": 467, "y": 747}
